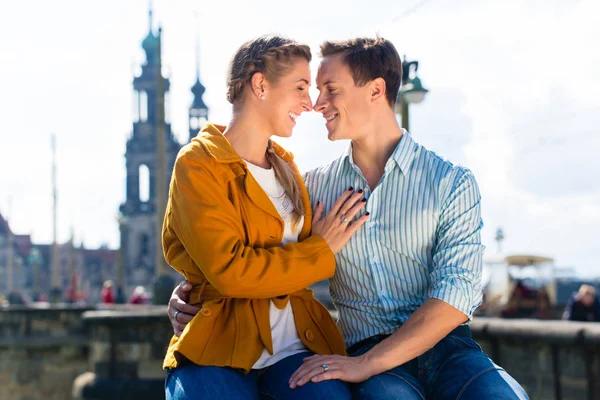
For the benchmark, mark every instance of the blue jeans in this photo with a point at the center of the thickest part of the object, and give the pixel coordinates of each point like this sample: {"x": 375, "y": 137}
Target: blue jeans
{"x": 191, "y": 381}
{"x": 455, "y": 368}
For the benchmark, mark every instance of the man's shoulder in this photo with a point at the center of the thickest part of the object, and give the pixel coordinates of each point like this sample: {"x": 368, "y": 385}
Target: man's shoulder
{"x": 441, "y": 169}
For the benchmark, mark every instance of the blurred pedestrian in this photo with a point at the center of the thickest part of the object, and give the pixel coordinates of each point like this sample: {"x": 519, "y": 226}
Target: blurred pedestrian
{"x": 583, "y": 306}
{"x": 139, "y": 296}
{"x": 107, "y": 294}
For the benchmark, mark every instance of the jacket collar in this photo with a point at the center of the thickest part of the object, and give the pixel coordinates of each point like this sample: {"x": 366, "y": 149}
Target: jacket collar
{"x": 217, "y": 146}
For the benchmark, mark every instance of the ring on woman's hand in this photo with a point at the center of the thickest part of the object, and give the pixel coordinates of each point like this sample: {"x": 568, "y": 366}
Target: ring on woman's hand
{"x": 343, "y": 218}
{"x": 325, "y": 367}
{"x": 175, "y": 315}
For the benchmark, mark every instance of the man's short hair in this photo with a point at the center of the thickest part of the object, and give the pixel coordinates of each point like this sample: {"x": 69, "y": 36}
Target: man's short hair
{"x": 587, "y": 289}
{"x": 368, "y": 59}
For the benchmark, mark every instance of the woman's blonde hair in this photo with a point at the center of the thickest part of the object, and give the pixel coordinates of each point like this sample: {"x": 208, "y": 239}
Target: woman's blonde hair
{"x": 274, "y": 57}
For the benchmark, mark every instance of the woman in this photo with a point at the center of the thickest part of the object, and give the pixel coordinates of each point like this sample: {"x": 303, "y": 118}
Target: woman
{"x": 237, "y": 227}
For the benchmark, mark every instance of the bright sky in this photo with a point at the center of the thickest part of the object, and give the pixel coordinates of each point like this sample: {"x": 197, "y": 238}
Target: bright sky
{"x": 513, "y": 96}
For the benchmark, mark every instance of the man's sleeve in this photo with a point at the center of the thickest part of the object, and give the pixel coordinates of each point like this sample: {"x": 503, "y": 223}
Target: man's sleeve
{"x": 458, "y": 252}
{"x": 596, "y": 310}
{"x": 568, "y": 314}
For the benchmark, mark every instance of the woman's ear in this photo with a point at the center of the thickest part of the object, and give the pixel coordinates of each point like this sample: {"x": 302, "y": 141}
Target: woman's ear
{"x": 258, "y": 83}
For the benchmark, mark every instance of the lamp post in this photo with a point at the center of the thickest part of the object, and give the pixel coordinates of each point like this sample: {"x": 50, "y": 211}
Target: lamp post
{"x": 499, "y": 238}
{"x": 124, "y": 234}
{"x": 162, "y": 281}
{"x": 34, "y": 260}
{"x": 411, "y": 91}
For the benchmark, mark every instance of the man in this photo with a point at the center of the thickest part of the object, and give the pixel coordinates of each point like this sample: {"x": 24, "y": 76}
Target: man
{"x": 583, "y": 305}
{"x": 408, "y": 282}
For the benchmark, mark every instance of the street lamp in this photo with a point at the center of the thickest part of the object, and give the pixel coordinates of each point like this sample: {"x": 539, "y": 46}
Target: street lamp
{"x": 124, "y": 233}
{"x": 411, "y": 91}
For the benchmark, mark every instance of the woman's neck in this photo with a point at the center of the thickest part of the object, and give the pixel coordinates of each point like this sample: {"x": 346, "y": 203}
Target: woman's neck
{"x": 249, "y": 137}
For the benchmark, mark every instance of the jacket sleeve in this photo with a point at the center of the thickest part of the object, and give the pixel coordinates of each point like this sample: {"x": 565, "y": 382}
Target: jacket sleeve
{"x": 202, "y": 232}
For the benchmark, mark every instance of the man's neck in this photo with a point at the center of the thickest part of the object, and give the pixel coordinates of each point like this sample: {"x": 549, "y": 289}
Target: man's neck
{"x": 372, "y": 151}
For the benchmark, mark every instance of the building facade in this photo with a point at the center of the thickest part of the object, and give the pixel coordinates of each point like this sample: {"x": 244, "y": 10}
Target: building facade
{"x": 138, "y": 220}
{"x": 25, "y": 267}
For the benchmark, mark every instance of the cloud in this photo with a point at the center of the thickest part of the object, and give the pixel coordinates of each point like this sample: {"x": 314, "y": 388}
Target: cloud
{"x": 555, "y": 146}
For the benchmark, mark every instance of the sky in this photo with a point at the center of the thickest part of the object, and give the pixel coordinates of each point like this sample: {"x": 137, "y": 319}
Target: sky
{"x": 513, "y": 96}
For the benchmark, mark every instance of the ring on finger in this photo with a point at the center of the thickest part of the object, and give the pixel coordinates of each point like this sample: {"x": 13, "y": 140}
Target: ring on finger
{"x": 343, "y": 218}
{"x": 175, "y": 315}
{"x": 325, "y": 367}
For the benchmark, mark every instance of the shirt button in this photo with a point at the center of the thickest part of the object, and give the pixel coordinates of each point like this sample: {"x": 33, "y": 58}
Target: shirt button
{"x": 375, "y": 258}
{"x": 383, "y": 292}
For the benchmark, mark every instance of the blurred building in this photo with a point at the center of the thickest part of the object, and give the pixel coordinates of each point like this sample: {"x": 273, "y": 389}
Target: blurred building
{"x": 138, "y": 212}
{"x": 82, "y": 270}
{"x": 26, "y": 267}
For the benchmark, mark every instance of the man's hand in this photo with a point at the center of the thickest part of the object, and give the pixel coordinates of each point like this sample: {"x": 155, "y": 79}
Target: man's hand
{"x": 181, "y": 313}
{"x": 347, "y": 369}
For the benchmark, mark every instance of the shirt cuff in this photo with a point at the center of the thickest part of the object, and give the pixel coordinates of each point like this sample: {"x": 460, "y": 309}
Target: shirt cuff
{"x": 458, "y": 293}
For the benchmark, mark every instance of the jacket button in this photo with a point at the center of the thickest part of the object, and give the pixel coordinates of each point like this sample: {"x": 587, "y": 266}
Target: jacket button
{"x": 309, "y": 335}
{"x": 205, "y": 311}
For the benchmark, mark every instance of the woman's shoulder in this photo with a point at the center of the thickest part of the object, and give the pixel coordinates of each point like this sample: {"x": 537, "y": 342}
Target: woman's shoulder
{"x": 194, "y": 153}
{"x": 203, "y": 159}
{"x": 208, "y": 146}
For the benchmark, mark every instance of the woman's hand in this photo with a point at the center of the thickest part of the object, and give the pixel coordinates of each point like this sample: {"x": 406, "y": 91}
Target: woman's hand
{"x": 338, "y": 226}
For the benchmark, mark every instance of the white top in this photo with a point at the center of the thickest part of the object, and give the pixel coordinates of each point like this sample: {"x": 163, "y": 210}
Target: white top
{"x": 286, "y": 341}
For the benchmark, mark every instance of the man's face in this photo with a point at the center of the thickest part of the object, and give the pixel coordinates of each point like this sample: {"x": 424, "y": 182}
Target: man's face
{"x": 345, "y": 106}
{"x": 588, "y": 299}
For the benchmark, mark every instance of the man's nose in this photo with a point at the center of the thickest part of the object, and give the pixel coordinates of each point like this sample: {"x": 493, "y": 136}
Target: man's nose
{"x": 321, "y": 104}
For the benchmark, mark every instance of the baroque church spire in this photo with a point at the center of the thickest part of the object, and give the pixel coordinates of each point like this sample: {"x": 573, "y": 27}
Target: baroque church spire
{"x": 198, "y": 113}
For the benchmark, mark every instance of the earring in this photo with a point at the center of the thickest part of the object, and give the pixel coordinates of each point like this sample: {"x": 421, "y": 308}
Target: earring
{"x": 261, "y": 96}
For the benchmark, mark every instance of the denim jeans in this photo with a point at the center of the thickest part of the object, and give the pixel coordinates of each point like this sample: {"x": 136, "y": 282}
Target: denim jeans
{"x": 455, "y": 368}
{"x": 190, "y": 381}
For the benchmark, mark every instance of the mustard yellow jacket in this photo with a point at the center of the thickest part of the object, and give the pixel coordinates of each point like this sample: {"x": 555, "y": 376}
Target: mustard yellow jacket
{"x": 222, "y": 232}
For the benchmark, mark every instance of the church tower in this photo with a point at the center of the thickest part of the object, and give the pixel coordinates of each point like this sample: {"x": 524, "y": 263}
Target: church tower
{"x": 138, "y": 212}
{"x": 198, "y": 112}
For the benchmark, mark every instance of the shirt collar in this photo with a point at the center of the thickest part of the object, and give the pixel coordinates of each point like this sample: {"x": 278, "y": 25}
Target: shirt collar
{"x": 403, "y": 154}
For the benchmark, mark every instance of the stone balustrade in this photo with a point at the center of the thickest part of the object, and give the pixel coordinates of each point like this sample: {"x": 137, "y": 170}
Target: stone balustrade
{"x": 63, "y": 352}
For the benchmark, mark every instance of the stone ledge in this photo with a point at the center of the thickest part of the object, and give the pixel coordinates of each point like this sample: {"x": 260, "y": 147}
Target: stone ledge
{"x": 33, "y": 342}
{"x": 36, "y": 307}
{"x": 92, "y": 389}
{"x": 551, "y": 332}
{"x": 122, "y": 316}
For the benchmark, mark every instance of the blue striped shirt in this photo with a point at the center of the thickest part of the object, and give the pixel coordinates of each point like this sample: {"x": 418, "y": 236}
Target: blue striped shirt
{"x": 422, "y": 239}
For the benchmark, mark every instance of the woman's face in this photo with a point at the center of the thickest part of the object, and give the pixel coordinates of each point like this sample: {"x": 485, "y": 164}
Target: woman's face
{"x": 288, "y": 98}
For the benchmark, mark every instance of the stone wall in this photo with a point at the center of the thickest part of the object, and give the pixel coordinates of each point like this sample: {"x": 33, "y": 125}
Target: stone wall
{"x": 130, "y": 343}
{"x": 127, "y": 348}
{"x": 552, "y": 359}
{"x": 42, "y": 350}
